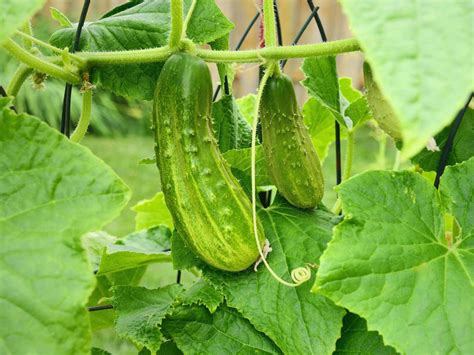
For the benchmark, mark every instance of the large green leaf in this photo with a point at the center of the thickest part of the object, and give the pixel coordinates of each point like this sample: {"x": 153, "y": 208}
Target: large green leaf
{"x": 15, "y": 13}
{"x": 240, "y": 159}
{"x": 52, "y": 191}
{"x": 423, "y": 72}
{"x": 145, "y": 25}
{"x": 140, "y": 312}
{"x": 196, "y": 331}
{"x": 463, "y": 145}
{"x": 392, "y": 262}
{"x": 356, "y": 339}
{"x": 296, "y": 320}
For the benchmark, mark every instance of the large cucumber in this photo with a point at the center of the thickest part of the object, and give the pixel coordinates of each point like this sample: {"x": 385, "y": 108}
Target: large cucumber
{"x": 209, "y": 208}
{"x": 292, "y": 161}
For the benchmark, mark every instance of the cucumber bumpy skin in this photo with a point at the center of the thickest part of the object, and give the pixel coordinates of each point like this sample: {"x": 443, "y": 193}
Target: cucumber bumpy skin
{"x": 210, "y": 209}
{"x": 292, "y": 161}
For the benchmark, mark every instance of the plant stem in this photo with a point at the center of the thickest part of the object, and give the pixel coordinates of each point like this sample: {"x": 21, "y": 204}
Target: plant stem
{"x": 347, "y": 168}
{"x": 188, "y": 16}
{"x": 27, "y": 42}
{"x": 49, "y": 46}
{"x": 127, "y": 57}
{"x": 84, "y": 120}
{"x": 39, "y": 64}
{"x": 247, "y": 56}
{"x": 18, "y": 78}
{"x": 269, "y": 23}
{"x": 277, "y": 53}
{"x": 176, "y": 23}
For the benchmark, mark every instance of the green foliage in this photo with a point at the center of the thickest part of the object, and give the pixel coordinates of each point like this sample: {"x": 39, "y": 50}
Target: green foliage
{"x": 392, "y": 274}
{"x": 47, "y": 202}
{"x": 356, "y": 339}
{"x": 196, "y": 331}
{"x": 393, "y": 261}
{"x": 140, "y": 312}
{"x": 411, "y": 55}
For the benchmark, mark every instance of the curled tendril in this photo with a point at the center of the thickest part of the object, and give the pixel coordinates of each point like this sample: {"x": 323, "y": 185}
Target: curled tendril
{"x": 301, "y": 274}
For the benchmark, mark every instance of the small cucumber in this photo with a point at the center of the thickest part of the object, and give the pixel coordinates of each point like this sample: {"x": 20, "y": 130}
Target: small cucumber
{"x": 209, "y": 207}
{"x": 381, "y": 110}
{"x": 292, "y": 161}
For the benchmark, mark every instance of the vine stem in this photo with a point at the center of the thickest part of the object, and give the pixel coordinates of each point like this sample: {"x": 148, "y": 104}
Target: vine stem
{"x": 347, "y": 167}
{"x": 18, "y": 78}
{"x": 245, "y": 56}
{"x": 176, "y": 23}
{"x": 301, "y": 272}
{"x": 269, "y": 23}
{"x": 84, "y": 120}
{"x": 188, "y": 16}
{"x": 39, "y": 64}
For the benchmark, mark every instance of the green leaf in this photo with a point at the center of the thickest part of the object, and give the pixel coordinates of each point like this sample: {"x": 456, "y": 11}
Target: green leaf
{"x": 296, "y": 320}
{"x": 321, "y": 125}
{"x": 247, "y": 106}
{"x": 392, "y": 262}
{"x": 52, "y": 191}
{"x": 457, "y": 184}
{"x": 356, "y": 339}
{"x": 137, "y": 250}
{"x": 336, "y": 96}
{"x": 231, "y": 129}
{"x": 410, "y": 48}
{"x": 196, "y": 331}
{"x": 152, "y": 213}
{"x": 60, "y": 17}
{"x": 321, "y": 81}
{"x": 145, "y": 25}
{"x": 140, "y": 312}
{"x": 239, "y": 159}
{"x": 15, "y": 13}
{"x": 463, "y": 145}
{"x": 207, "y": 23}
{"x": 204, "y": 294}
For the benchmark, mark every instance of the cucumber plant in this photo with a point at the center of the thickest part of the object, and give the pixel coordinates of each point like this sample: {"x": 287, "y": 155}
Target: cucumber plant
{"x": 393, "y": 261}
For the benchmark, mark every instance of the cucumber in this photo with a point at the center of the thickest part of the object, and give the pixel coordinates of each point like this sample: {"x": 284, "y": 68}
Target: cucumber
{"x": 381, "y": 110}
{"x": 291, "y": 158}
{"x": 210, "y": 209}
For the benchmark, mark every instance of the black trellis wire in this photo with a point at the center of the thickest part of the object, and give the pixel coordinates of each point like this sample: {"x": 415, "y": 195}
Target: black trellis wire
{"x": 300, "y": 33}
{"x": 66, "y": 113}
{"x": 100, "y": 308}
{"x": 443, "y": 160}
